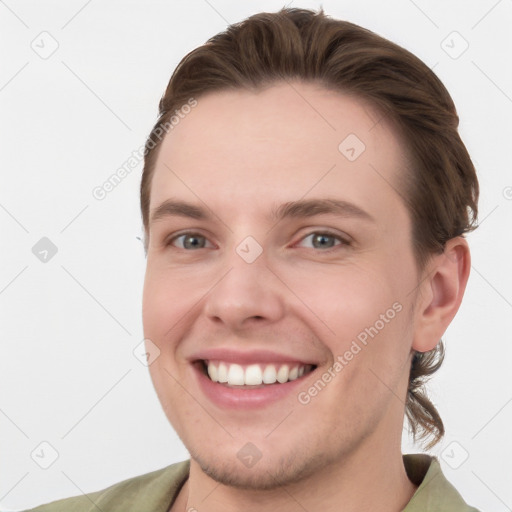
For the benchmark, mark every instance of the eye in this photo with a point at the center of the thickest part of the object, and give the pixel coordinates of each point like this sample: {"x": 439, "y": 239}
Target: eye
{"x": 190, "y": 241}
{"x": 322, "y": 240}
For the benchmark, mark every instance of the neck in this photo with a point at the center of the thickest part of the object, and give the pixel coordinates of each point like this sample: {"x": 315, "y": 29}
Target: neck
{"x": 372, "y": 479}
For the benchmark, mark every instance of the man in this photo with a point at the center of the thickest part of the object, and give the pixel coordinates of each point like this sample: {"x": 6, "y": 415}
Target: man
{"x": 304, "y": 198}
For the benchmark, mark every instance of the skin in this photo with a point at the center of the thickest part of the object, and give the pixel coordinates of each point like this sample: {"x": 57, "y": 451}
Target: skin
{"x": 241, "y": 153}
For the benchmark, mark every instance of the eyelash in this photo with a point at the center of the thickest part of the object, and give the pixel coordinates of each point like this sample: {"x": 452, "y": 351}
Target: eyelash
{"x": 343, "y": 241}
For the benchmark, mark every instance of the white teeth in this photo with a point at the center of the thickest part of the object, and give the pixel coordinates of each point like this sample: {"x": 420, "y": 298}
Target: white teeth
{"x": 222, "y": 373}
{"x": 212, "y": 372}
{"x": 254, "y": 374}
{"x": 294, "y": 373}
{"x": 270, "y": 374}
{"x": 236, "y": 375}
{"x": 282, "y": 374}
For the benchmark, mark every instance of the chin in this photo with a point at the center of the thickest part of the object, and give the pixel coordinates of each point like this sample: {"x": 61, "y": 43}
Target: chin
{"x": 264, "y": 475}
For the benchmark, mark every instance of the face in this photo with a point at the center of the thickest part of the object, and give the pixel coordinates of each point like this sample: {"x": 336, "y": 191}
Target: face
{"x": 279, "y": 248}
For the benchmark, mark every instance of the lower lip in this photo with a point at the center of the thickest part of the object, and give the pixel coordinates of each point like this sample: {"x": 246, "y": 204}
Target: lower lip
{"x": 246, "y": 398}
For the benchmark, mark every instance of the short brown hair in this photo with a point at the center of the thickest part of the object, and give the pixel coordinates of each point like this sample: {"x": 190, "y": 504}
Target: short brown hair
{"x": 440, "y": 187}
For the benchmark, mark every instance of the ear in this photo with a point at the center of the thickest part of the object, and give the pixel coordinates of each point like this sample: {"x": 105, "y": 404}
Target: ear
{"x": 440, "y": 294}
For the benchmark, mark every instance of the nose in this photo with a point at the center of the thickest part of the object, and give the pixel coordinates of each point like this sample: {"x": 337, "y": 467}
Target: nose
{"x": 248, "y": 294}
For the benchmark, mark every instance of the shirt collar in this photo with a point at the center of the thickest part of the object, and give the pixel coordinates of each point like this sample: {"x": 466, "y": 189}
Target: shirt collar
{"x": 434, "y": 491}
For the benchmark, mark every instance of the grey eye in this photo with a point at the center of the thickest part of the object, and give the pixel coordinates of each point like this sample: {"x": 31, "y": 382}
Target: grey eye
{"x": 321, "y": 240}
{"x": 190, "y": 241}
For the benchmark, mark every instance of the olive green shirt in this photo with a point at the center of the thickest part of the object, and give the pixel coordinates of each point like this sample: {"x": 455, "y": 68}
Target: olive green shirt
{"x": 156, "y": 491}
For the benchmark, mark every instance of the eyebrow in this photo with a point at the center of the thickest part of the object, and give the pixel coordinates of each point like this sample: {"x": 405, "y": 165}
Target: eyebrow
{"x": 293, "y": 209}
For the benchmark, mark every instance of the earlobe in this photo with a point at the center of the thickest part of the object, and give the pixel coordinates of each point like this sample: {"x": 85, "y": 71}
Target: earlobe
{"x": 442, "y": 289}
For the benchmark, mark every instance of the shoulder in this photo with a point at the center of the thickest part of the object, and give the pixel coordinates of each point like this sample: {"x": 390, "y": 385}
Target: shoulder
{"x": 154, "y": 490}
{"x": 434, "y": 492}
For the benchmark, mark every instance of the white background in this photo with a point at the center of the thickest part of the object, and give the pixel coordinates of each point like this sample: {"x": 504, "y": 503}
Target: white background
{"x": 68, "y": 327}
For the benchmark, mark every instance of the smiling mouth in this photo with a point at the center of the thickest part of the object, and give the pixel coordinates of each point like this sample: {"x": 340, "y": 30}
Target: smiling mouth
{"x": 254, "y": 375}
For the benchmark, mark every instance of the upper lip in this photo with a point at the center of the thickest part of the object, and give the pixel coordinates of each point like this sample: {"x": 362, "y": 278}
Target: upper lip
{"x": 247, "y": 357}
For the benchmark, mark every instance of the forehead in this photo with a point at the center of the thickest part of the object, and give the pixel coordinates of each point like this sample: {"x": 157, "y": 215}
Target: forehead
{"x": 241, "y": 148}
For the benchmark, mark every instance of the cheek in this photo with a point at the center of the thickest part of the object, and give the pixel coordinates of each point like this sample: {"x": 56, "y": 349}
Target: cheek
{"x": 347, "y": 299}
{"x": 360, "y": 314}
{"x": 163, "y": 302}
{"x": 172, "y": 300}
